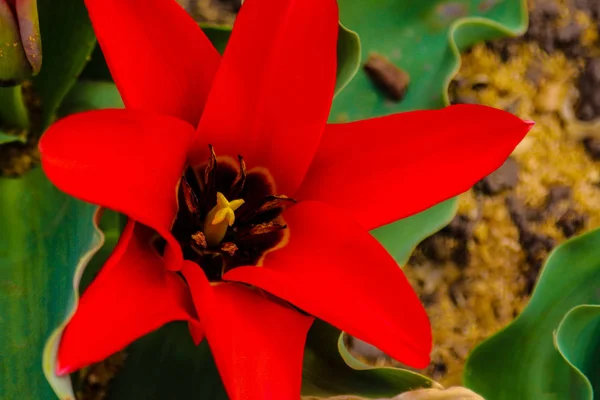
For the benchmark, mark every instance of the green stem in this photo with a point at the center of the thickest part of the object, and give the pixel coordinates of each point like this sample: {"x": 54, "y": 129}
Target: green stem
{"x": 13, "y": 112}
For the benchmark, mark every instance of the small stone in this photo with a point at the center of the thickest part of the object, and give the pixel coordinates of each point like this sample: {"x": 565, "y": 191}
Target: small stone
{"x": 588, "y": 106}
{"x": 391, "y": 79}
{"x": 536, "y": 246}
{"x": 571, "y": 222}
{"x": 504, "y": 178}
{"x": 456, "y": 393}
{"x": 569, "y": 33}
{"x": 366, "y": 350}
{"x": 592, "y": 147}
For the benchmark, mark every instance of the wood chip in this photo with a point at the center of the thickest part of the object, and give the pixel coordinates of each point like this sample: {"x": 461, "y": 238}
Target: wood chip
{"x": 391, "y": 79}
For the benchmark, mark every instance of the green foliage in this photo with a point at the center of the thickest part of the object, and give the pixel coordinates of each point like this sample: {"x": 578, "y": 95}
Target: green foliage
{"x": 45, "y": 236}
{"x": 423, "y": 38}
{"x": 551, "y": 350}
{"x": 401, "y": 237}
{"x": 330, "y": 370}
{"x": 68, "y": 42}
{"x": 13, "y": 112}
{"x": 84, "y": 96}
{"x": 91, "y": 95}
{"x": 7, "y": 138}
{"x": 167, "y": 365}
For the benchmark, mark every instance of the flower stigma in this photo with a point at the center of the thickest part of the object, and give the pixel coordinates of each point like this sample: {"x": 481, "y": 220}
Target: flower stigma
{"x": 219, "y": 219}
{"x": 228, "y": 216}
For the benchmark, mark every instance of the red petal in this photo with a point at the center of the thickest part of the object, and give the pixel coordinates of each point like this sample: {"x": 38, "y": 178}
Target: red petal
{"x": 272, "y": 94}
{"x": 258, "y": 344}
{"x": 129, "y": 161}
{"x": 159, "y": 58}
{"x": 336, "y": 271}
{"x": 385, "y": 169}
{"x": 133, "y": 295}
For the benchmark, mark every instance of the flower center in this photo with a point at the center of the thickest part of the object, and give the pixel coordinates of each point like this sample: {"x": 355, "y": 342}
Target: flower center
{"x": 228, "y": 217}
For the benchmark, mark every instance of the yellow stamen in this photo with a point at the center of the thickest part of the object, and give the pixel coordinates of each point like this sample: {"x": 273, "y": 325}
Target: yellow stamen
{"x": 220, "y": 218}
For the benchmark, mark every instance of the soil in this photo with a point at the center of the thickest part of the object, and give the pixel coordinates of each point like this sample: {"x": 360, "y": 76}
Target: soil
{"x": 476, "y": 275}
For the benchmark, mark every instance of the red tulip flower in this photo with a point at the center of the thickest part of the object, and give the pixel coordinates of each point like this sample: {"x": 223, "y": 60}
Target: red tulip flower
{"x": 249, "y": 214}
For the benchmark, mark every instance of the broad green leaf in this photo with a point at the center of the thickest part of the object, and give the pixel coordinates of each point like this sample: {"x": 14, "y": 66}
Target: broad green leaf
{"x": 400, "y": 238}
{"x": 578, "y": 341}
{"x": 521, "y": 361}
{"x": 218, "y": 35}
{"x": 6, "y": 138}
{"x": 91, "y": 95}
{"x": 13, "y": 111}
{"x": 167, "y": 365}
{"x": 424, "y": 38}
{"x": 45, "y": 239}
{"x": 84, "y": 96}
{"x": 68, "y": 42}
{"x": 348, "y": 55}
{"x": 330, "y": 370}
{"x": 111, "y": 224}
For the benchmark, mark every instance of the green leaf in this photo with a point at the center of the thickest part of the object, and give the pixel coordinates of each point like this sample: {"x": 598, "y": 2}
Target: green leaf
{"x": 348, "y": 50}
{"x": 167, "y": 365}
{"x": 13, "y": 111}
{"x": 348, "y": 55}
{"x": 400, "y": 238}
{"x": 83, "y": 96}
{"x": 91, "y": 95}
{"x": 330, "y": 370}
{"x": 45, "y": 239}
{"x": 578, "y": 341}
{"x": 521, "y": 361}
{"x": 218, "y": 35}
{"x": 111, "y": 224}
{"x": 424, "y": 38}
{"x": 7, "y": 138}
{"x": 68, "y": 42}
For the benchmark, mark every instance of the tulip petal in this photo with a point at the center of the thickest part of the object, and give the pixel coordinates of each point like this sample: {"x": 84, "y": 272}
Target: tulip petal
{"x": 132, "y": 295}
{"x": 125, "y": 160}
{"x": 384, "y": 169}
{"x": 335, "y": 270}
{"x": 271, "y": 97}
{"x": 159, "y": 58}
{"x": 257, "y": 343}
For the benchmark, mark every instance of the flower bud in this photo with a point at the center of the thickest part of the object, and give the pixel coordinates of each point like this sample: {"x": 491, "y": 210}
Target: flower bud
{"x": 20, "y": 42}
